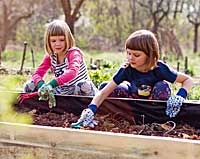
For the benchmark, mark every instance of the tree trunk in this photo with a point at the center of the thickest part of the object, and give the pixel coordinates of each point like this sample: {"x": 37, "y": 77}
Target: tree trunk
{"x": 9, "y": 21}
{"x": 3, "y": 44}
{"x": 70, "y": 21}
{"x": 170, "y": 41}
{"x": 0, "y": 52}
{"x": 71, "y": 15}
{"x": 196, "y": 38}
{"x": 133, "y": 11}
{"x": 155, "y": 25}
{"x": 4, "y": 35}
{"x": 194, "y": 19}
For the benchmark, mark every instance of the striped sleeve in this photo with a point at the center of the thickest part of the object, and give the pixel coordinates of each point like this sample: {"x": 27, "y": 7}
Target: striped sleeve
{"x": 39, "y": 73}
{"x": 75, "y": 59}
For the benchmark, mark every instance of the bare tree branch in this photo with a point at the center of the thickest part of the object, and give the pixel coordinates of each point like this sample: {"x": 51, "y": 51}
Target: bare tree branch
{"x": 158, "y": 9}
{"x": 15, "y": 21}
{"x": 178, "y": 7}
{"x": 77, "y": 8}
{"x": 71, "y": 15}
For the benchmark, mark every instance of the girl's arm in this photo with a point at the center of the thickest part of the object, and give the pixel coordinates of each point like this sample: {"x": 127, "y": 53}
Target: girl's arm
{"x": 102, "y": 94}
{"x": 185, "y": 80}
{"x": 174, "y": 103}
{"x": 39, "y": 73}
{"x": 87, "y": 115}
{"x": 75, "y": 59}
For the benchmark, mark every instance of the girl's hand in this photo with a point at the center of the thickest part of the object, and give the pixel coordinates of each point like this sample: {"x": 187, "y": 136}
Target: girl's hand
{"x": 52, "y": 100}
{"x": 174, "y": 104}
{"x": 45, "y": 92}
{"x": 86, "y": 119}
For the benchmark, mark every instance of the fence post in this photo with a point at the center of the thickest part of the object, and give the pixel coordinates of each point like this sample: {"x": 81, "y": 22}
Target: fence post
{"x": 91, "y": 62}
{"x": 23, "y": 57}
{"x": 98, "y": 61}
{"x": 186, "y": 71}
{"x": 33, "y": 59}
{"x": 165, "y": 59}
{"x": 178, "y": 66}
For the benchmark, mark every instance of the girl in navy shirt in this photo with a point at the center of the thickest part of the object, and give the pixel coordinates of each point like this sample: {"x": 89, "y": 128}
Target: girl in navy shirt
{"x": 144, "y": 76}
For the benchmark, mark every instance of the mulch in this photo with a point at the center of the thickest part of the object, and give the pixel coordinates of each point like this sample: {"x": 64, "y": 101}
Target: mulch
{"x": 116, "y": 124}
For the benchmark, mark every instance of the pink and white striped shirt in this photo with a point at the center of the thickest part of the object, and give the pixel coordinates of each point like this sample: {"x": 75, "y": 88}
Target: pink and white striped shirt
{"x": 67, "y": 74}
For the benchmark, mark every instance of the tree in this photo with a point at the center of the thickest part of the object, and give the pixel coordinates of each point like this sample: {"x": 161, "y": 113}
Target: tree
{"x": 158, "y": 10}
{"x": 194, "y": 18}
{"x": 32, "y": 29}
{"x": 71, "y": 15}
{"x": 12, "y": 12}
{"x": 178, "y": 7}
{"x": 132, "y": 4}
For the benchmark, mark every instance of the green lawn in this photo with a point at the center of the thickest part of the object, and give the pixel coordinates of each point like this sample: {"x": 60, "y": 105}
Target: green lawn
{"x": 110, "y": 63}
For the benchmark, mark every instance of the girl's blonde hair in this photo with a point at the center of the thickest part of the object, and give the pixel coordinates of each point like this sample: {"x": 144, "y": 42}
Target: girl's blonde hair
{"x": 58, "y": 28}
{"x": 144, "y": 40}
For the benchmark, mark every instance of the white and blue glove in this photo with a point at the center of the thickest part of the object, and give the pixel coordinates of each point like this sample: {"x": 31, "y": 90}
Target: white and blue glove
{"x": 87, "y": 118}
{"x": 174, "y": 103}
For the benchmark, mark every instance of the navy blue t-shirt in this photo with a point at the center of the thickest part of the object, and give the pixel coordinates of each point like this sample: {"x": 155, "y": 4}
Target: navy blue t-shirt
{"x": 150, "y": 78}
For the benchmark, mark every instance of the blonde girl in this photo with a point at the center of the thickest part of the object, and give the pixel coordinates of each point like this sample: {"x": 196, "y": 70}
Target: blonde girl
{"x": 65, "y": 61}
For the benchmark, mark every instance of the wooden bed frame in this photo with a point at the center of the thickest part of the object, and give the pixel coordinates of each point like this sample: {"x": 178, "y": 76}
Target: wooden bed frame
{"x": 18, "y": 141}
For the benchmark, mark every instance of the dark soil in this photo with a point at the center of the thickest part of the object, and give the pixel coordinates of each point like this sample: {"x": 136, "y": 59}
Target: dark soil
{"x": 112, "y": 123}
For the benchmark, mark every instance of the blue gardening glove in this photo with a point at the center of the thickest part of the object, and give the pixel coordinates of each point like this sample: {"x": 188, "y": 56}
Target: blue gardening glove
{"x": 87, "y": 118}
{"x": 45, "y": 92}
{"x": 174, "y": 103}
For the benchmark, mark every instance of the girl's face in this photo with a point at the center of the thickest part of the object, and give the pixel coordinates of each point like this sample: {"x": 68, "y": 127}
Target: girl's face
{"x": 136, "y": 59}
{"x": 58, "y": 44}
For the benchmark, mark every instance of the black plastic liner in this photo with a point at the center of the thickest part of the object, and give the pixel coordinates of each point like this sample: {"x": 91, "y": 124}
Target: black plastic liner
{"x": 136, "y": 111}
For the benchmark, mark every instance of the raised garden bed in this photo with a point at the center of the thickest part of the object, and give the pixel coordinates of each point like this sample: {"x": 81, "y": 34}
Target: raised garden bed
{"x": 123, "y": 131}
{"x": 116, "y": 116}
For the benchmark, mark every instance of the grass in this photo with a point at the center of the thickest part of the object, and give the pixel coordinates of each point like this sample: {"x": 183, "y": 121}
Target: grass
{"x": 7, "y": 99}
{"x": 193, "y": 62}
{"x": 12, "y": 60}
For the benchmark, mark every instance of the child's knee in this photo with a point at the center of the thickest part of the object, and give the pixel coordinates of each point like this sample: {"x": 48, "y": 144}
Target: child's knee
{"x": 86, "y": 88}
{"x": 161, "y": 84}
{"x": 121, "y": 90}
{"x": 29, "y": 87}
{"x": 161, "y": 91}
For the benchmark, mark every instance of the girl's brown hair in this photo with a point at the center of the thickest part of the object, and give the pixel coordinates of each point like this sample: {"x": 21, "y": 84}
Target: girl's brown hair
{"x": 144, "y": 40}
{"x": 58, "y": 28}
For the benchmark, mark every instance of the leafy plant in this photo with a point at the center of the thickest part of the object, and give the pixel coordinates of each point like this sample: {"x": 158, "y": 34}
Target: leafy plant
{"x": 98, "y": 76}
{"x": 194, "y": 93}
{"x": 107, "y": 64}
